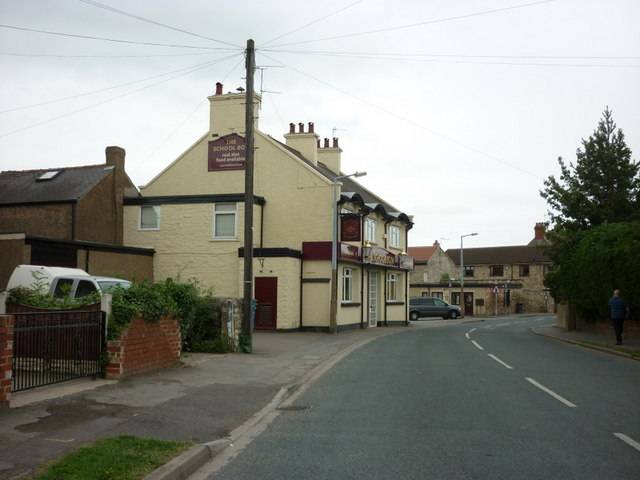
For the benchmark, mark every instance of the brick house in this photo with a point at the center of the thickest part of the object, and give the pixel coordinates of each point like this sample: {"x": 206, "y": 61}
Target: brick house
{"x": 69, "y": 217}
{"x": 433, "y": 274}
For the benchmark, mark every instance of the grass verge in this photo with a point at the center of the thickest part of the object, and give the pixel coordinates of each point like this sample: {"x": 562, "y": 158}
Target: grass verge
{"x": 116, "y": 458}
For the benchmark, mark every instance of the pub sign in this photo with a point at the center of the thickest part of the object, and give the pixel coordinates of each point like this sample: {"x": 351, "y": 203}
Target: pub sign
{"x": 227, "y": 153}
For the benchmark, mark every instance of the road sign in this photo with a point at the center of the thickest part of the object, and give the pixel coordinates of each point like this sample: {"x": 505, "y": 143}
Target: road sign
{"x": 495, "y": 289}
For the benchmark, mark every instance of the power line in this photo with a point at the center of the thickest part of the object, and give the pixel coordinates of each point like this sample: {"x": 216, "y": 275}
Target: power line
{"x": 130, "y": 15}
{"x": 89, "y": 37}
{"x": 411, "y": 122}
{"x": 187, "y": 69}
{"x": 107, "y": 100}
{"x": 413, "y": 25}
{"x": 314, "y": 22}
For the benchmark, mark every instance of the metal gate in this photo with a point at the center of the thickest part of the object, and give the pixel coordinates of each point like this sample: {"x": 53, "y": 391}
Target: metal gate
{"x": 51, "y": 347}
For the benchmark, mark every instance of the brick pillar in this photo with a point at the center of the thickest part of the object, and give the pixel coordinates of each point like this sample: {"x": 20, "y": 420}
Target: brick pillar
{"x": 7, "y": 323}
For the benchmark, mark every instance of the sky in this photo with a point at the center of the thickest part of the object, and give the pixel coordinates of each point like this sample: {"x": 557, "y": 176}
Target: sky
{"x": 457, "y": 110}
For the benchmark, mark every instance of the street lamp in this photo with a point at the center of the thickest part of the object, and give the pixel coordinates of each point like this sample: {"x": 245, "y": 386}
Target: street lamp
{"x": 333, "y": 320}
{"x": 462, "y": 272}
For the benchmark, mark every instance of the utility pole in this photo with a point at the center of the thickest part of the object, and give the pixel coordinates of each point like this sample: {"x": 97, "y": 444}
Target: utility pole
{"x": 246, "y": 342}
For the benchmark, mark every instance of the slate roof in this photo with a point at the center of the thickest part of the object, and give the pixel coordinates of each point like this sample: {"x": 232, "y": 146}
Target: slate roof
{"x": 519, "y": 254}
{"x": 69, "y": 185}
{"x": 352, "y": 191}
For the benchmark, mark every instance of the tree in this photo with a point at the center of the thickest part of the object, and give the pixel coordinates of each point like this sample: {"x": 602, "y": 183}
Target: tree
{"x": 602, "y": 187}
{"x": 595, "y": 216}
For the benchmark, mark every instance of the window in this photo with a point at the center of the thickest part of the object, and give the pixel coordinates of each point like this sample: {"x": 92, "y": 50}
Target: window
{"x": 150, "y": 217}
{"x": 347, "y": 284}
{"x": 548, "y": 268}
{"x": 496, "y": 270}
{"x": 469, "y": 271}
{"x": 370, "y": 230}
{"x": 48, "y": 175}
{"x": 392, "y": 286}
{"x": 394, "y": 237}
{"x": 437, "y": 295}
{"x": 224, "y": 220}
{"x": 524, "y": 270}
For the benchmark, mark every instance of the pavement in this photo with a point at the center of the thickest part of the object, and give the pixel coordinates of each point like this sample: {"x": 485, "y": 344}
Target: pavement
{"x": 211, "y": 400}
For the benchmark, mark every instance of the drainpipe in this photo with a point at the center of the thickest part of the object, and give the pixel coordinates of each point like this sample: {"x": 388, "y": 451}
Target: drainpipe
{"x": 301, "y": 291}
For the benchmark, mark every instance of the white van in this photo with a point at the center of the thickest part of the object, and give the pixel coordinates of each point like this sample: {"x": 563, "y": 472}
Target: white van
{"x": 60, "y": 281}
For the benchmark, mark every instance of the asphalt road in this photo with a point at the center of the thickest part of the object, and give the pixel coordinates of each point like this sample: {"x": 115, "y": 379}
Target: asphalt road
{"x": 484, "y": 400}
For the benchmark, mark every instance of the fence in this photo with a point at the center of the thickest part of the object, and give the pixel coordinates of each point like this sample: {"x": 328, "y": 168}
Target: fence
{"x": 55, "y": 346}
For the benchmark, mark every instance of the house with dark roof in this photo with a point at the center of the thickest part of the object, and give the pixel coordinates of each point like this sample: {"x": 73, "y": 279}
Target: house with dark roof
{"x": 70, "y": 217}
{"x": 497, "y": 280}
{"x": 193, "y": 215}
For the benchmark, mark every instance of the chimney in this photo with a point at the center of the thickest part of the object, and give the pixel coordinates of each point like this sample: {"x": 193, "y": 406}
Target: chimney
{"x": 227, "y": 113}
{"x": 330, "y": 156}
{"x": 539, "y": 230}
{"x": 115, "y": 158}
{"x": 304, "y": 142}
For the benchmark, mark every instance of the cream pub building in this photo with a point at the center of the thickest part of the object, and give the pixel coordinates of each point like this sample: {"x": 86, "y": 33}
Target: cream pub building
{"x": 192, "y": 215}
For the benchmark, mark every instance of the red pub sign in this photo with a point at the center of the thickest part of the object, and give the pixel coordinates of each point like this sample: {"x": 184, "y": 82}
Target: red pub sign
{"x": 227, "y": 153}
{"x": 350, "y": 228}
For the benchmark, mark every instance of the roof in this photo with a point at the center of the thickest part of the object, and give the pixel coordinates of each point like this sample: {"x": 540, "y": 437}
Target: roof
{"x": 352, "y": 191}
{"x": 522, "y": 254}
{"x": 422, "y": 253}
{"x": 68, "y": 185}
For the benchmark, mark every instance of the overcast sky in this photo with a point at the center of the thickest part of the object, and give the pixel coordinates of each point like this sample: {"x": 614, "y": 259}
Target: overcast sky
{"x": 457, "y": 110}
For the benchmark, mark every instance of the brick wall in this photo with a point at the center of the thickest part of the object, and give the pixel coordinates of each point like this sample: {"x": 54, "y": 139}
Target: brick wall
{"x": 144, "y": 346}
{"x": 6, "y": 358}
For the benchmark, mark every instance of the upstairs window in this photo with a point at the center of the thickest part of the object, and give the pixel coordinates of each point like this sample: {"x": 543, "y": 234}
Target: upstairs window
{"x": 524, "y": 270}
{"x": 224, "y": 221}
{"x": 370, "y": 230}
{"x": 150, "y": 217}
{"x": 469, "y": 271}
{"x": 394, "y": 237}
{"x": 496, "y": 270}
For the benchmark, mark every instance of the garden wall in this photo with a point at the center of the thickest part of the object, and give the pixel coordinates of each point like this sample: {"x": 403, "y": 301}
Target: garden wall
{"x": 144, "y": 346}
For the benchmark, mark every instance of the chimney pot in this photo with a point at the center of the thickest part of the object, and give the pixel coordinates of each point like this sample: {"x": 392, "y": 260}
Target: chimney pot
{"x": 301, "y": 127}
{"x": 311, "y": 127}
{"x": 292, "y": 128}
{"x": 219, "y": 88}
{"x": 335, "y": 142}
{"x": 326, "y": 143}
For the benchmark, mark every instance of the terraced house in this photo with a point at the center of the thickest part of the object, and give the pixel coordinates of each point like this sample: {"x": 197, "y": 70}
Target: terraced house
{"x": 192, "y": 215}
{"x": 497, "y": 280}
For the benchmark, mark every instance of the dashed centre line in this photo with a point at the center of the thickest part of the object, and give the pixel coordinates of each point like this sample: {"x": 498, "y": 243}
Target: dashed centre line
{"x": 550, "y": 392}
{"x": 628, "y": 440}
{"x": 500, "y": 362}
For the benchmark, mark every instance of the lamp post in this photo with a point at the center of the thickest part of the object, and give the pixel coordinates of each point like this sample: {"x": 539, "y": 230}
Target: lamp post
{"x": 462, "y": 272}
{"x": 333, "y": 314}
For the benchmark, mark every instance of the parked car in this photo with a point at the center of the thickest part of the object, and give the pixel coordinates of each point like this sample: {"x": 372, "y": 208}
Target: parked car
{"x": 60, "y": 281}
{"x": 431, "y": 307}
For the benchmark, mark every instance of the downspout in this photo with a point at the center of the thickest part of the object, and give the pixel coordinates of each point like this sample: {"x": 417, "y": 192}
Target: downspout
{"x": 301, "y": 289}
{"x": 384, "y": 322}
{"x": 363, "y": 305}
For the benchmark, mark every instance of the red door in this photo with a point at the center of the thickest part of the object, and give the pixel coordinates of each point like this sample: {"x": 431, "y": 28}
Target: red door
{"x": 267, "y": 297}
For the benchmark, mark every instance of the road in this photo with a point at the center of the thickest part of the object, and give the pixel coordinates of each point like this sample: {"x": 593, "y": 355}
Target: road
{"x": 481, "y": 400}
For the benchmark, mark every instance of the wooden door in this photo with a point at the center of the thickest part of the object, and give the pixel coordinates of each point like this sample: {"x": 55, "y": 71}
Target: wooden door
{"x": 267, "y": 309}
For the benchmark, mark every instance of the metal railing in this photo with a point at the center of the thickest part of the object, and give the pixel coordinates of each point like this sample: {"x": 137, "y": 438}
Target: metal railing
{"x": 52, "y": 347}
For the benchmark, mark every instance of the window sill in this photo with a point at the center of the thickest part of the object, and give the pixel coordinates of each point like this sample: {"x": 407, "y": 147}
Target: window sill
{"x": 350, "y": 304}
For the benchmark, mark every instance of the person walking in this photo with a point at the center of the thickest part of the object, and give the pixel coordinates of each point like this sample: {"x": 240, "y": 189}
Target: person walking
{"x": 619, "y": 311}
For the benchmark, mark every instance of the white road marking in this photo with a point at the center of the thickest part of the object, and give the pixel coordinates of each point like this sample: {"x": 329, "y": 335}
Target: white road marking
{"x": 628, "y": 440}
{"x": 551, "y": 392}
{"x": 500, "y": 362}
{"x": 502, "y": 325}
{"x": 477, "y": 345}
{"x": 467, "y": 335}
